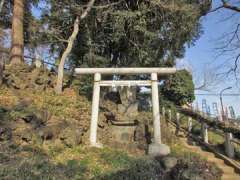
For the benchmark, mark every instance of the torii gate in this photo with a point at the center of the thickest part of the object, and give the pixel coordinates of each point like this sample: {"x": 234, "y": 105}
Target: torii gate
{"x": 156, "y": 148}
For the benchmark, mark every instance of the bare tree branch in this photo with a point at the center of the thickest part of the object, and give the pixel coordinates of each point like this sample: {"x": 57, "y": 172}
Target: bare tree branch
{"x": 86, "y": 11}
{"x": 226, "y": 5}
{"x": 216, "y": 9}
{"x": 229, "y": 6}
{"x": 210, "y": 80}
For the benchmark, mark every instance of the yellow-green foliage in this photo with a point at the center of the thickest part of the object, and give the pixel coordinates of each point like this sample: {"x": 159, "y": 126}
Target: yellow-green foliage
{"x": 65, "y": 163}
{"x": 53, "y": 160}
{"x": 67, "y": 105}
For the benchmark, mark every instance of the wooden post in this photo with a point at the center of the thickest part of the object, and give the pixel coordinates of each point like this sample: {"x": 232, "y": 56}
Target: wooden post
{"x": 1, "y": 70}
{"x": 156, "y": 114}
{"x": 189, "y": 124}
{"x": 95, "y": 109}
{"x": 204, "y": 132}
{"x": 163, "y": 113}
{"x": 169, "y": 116}
{"x": 229, "y": 148}
{"x": 177, "y": 123}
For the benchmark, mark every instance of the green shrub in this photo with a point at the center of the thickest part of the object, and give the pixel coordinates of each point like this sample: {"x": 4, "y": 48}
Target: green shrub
{"x": 115, "y": 158}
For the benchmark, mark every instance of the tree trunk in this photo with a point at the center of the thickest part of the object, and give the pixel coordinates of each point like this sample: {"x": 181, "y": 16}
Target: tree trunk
{"x": 17, "y": 48}
{"x": 1, "y": 70}
{"x": 67, "y": 51}
{"x": 1, "y": 5}
{"x": 64, "y": 56}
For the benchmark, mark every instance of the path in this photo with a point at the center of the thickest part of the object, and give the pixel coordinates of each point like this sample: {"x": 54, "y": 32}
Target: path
{"x": 228, "y": 172}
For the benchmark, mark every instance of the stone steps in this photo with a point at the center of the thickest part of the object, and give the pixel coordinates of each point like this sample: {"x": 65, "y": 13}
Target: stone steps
{"x": 228, "y": 172}
{"x": 230, "y": 177}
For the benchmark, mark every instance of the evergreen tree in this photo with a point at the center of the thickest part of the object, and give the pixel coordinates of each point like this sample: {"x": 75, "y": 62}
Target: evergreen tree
{"x": 17, "y": 47}
{"x": 179, "y": 88}
{"x": 16, "y": 14}
{"x": 126, "y": 33}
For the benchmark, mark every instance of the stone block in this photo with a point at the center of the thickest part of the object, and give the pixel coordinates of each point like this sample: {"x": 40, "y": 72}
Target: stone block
{"x": 156, "y": 149}
{"x": 169, "y": 162}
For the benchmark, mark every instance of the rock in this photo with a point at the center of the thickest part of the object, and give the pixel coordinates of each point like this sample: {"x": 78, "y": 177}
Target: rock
{"x": 129, "y": 105}
{"x": 123, "y": 134}
{"x": 27, "y": 136}
{"x": 127, "y": 95}
{"x": 129, "y": 111}
{"x": 188, "y": 174}
{"x": 139, "y": 134}
{"x": 23, "y": 103}
{"x": 156, "y": 149}
{"x": 28, "y": 77}
{"x": 34, "y": 120}
{"x": 112, "y": 96}
{"x": 4, "y": 158}
{"x": 46, "y": 134}
{"x": 169, "y": 162}
{"x": 5, "y": 134}
{"x": 71, "y": 136}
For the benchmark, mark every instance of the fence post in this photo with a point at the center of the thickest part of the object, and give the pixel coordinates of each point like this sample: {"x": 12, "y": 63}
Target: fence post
{"x": 163, "y": 113}
{"x": 229, "y": 148}
{"x": 189, "y": 124}
{"x": 177, "y": 123}
{"x": 204, "y": 132}
{"x": 169, "y": 117}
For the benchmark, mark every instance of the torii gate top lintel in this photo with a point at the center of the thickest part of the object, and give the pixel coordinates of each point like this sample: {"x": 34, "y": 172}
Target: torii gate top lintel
{"x": 160, "y": 71}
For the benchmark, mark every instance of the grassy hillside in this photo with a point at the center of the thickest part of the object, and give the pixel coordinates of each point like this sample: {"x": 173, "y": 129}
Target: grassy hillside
{"x": 45, "y": 136}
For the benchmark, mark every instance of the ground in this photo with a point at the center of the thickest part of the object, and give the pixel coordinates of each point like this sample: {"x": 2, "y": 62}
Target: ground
{"x": 45, "y": 136}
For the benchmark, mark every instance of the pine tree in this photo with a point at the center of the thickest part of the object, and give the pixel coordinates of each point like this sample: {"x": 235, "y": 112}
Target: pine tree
{"x": 17, "y": 47}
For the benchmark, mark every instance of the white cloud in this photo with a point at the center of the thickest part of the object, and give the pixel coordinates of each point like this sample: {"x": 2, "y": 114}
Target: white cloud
{"x": 184, "y": 64}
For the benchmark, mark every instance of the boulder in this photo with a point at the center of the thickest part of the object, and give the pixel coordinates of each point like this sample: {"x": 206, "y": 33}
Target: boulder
{"x": 169, "y": 162}
{"x": 127, "y": 95}
{"x": 34, "y": 120}
{"x": 27, "y": 136}
{"x": 46, "y": 134}
{"x": 188, "y": 174}
{"x": 5, "y": 134}
{"x": 28, "y": 77}
{"x": 71, "y": 136}
{"x": 129, "y": 111}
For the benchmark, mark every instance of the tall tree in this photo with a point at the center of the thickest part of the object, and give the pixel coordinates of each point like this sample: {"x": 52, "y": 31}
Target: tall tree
{"x": 124, "y": 32}
{"x": 17, "y": 47}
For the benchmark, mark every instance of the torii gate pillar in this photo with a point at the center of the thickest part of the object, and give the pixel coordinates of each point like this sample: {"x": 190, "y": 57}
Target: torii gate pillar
{"x": 155, "y": 110}
{"x": 95, "y": 109}
{"x": 156, "y": 148}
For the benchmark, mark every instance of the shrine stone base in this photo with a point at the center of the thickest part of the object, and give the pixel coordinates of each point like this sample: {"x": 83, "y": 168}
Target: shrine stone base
{"x": 156, "y": 149}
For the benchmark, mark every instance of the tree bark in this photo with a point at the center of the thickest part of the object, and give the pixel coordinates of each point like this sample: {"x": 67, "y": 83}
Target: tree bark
{"x": 64, "y": 56}
{"x": 68, "y": 50}
{"x": 17, "y": 47}
{"x": 1, "y": 70}
{"x": 1, "y": 5}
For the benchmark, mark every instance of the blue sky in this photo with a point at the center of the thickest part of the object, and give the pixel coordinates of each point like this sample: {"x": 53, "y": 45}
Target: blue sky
{"x": 201, "y": 59}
